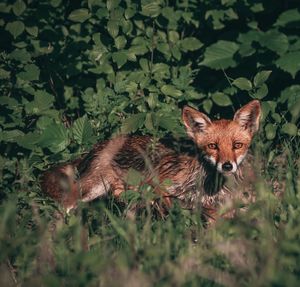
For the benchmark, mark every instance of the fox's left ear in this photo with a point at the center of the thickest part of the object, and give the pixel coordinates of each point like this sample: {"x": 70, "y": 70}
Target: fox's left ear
{"x": 248, "y": 116}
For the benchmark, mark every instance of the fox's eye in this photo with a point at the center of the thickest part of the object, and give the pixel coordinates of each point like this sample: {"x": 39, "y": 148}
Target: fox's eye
{"x": 212, "y": 146}
{"x": 237, "y": 145}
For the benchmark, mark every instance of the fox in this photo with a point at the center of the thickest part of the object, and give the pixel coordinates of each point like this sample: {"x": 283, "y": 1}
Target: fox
{"x": 197, "y": 176}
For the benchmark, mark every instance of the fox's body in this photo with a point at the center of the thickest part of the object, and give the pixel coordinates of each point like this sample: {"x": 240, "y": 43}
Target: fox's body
{"x": 196, "y": 176}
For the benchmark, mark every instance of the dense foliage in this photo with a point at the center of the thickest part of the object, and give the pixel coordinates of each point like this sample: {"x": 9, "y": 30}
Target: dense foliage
{"x": 75, "y": 72}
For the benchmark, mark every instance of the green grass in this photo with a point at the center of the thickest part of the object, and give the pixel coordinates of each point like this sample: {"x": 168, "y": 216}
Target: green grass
{"x": 259, "y": 247}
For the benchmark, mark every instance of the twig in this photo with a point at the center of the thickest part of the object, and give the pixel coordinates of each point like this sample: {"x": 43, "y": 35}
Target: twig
{"x": 12, "y": 271}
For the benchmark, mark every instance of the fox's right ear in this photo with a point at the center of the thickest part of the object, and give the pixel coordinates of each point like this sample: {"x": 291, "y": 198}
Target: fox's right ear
{"x": 194, "y": 121}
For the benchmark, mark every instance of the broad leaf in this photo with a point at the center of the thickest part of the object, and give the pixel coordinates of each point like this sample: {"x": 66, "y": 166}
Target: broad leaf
{"x": 55, "y": 138}
{"x": 171, "y": 91}
{"x": 289, "y": 63}
{"x": 275, "y": 41}
{"x": 261, "y": 92}
{"x": 289, "y": 129}
{"x": 31, "y": 73}
{"x": 82, "y": 130}
{"x": 190, "y": 44}
{"x": 79, "y": 15}
{"x": 243, "y": 84}
{"x": 151, "y": 9}
{"x": 261, "y": 77}
{"x": 132, "y": 123}
{"x": 221, "y": 99}
{"x": 15, "y": 28}
{"x": 19, "y": 7}
{"x": 220, "y": 55}
{"x": 288, "y": 17}
{"x": 270, "y": 131}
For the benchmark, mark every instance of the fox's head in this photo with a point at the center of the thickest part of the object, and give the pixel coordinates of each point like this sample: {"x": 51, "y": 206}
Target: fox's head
{"x": 224, "y": 142}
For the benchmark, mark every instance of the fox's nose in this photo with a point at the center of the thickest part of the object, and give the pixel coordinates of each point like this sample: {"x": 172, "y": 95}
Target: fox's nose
{"x": 227, "y": 166}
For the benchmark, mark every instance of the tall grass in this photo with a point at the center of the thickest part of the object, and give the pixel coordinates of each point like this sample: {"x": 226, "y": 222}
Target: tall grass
{"x": 102, "y": 244}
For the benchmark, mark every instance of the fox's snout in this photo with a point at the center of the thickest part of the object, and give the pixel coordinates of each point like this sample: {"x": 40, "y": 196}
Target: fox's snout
{"x": 227, "y": 166}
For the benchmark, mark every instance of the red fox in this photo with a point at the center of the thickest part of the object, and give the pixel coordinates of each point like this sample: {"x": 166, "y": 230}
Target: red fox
{"x": 196, "y": 176}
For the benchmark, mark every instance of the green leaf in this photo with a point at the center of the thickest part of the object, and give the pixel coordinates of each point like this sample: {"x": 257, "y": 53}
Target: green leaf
{"x": 171, "y": 91}
{"x": 243, "y": 84}
{"x": 28, "y": 140}
{"x": 261, "y": 77}
{"x": 190, "y": 44}
{"x": 4, "y": 74}
{"x": 166, "y": 122}
{"x": 120, "y": 42}
{"x": 33, "y": 31}
{"x": 120, "y": 58}
{"x": 207, "y": 105}
{"x": 55, "y": 138}
{"x": 79, "y": 15}
{"x": 132, "y": 123}
{"x": 151, "y": 9}
{"x": 220, "y": 55}
{"x": 221, "y": 99}
{"x": 288, "y": 17}
{"x": 43, "y": 122}
{"x": 113, "y": 28}
{"x": 261, "y": 92}
{"x": 55, "y": 3}
{"x": 270, "y": 130}
{"x": 31, "y": 73}
{"x": 289, "y": 63}
{"x": 15, "y": 28}
{"x": 10, "y": 136}
{"x": 43, "y": 101}
{"x": 290, "y": 94}
{"x": 289, "y": 129}
{"x": 19, "y": 7}
{"x": 112, "y": 4}
{"x": 144, "y": 65}
{"x": 82, "y": 130}
{"x": 275, "y": 41}
{"x": 20, "y": 55}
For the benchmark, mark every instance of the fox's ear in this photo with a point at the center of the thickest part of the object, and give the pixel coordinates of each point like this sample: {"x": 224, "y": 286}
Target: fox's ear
{"x": 248, "y": 116}
{"x": 194, "y": 121}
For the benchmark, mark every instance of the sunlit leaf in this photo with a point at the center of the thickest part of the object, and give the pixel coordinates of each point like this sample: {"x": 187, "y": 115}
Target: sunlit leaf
{"x": 242, "y": 84}
{"x": 289, "y": 129}
{"x": 190, "y": 44}
{"x": 220, "y": 55}
{"x": 261, "y": 77}
{"x": 79, "y": 15}
{"x": 221, "y": 99}
{"x": 171, "y": 91}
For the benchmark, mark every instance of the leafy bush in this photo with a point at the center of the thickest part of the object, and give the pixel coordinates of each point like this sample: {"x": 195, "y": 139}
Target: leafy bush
{"x": 75, "y": 72}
